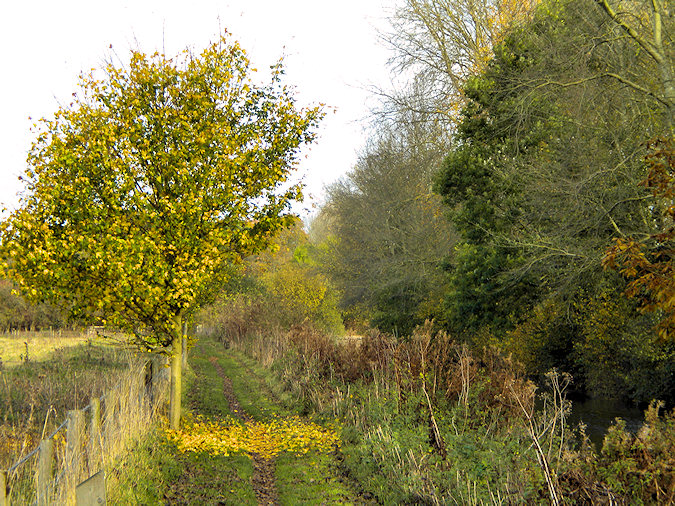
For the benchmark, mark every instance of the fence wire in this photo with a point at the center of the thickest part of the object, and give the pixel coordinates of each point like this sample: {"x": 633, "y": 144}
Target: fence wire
{"x": 118, "y": 404}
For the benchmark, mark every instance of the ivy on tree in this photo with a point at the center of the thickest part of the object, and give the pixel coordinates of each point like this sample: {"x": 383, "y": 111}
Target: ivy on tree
{"x": 145, "y": 191}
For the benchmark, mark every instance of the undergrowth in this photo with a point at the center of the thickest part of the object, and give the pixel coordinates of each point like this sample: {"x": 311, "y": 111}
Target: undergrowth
{"x": 428, "y": 421}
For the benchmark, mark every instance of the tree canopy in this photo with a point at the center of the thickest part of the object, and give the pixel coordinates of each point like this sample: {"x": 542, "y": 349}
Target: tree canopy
{"x": 156, "y": 179}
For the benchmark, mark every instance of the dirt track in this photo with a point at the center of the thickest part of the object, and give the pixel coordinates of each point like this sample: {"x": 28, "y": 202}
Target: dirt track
{"x": 263, "y": 480}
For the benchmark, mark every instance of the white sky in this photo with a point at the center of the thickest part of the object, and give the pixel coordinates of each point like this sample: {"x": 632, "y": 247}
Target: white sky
{"x": 332, "y": 55}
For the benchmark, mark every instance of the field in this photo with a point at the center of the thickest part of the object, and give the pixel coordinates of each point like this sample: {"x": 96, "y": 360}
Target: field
{"x": 24, "y": 346}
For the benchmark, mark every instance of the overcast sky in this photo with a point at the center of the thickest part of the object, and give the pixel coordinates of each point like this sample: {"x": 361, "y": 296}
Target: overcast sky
{"x": 331, "y": 50}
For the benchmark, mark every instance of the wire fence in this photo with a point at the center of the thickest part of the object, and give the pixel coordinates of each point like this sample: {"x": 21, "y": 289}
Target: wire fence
{"x": 87, "y": 443}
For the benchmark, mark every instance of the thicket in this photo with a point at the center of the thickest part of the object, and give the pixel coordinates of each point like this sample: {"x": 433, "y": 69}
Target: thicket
{"x": 488, "y": 207}
{"x": 427, "y": 421}
{"x": 430, "y": 418}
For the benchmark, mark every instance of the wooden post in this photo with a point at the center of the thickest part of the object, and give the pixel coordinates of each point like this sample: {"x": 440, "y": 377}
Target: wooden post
{"x": 44, "y": 473}
{"x": 4, "y": 495}
{"x": 95, "y": 436}
{"x": 91, "y": 491}
{"x": 73, "y": 451}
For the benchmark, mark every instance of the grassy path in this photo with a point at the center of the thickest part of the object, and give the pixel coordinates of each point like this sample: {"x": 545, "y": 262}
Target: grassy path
{"x": 311, "y": 478}
{"x": 227, "y": 394}
{"x": 263, "y": 479}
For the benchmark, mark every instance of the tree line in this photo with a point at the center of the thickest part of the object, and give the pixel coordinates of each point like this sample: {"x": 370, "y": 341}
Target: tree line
{"x": 497, "y": 181}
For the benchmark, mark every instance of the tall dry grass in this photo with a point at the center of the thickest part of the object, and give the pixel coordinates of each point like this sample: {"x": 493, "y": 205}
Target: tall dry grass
{"x": 37, "y": 396}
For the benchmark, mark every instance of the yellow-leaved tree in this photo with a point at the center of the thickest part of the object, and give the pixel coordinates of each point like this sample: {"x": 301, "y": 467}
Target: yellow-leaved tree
{"x": 142, "y": 194}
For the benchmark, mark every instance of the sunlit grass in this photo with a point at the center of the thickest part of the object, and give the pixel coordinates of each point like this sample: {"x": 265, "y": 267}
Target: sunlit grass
{"x": 19, "y": 347}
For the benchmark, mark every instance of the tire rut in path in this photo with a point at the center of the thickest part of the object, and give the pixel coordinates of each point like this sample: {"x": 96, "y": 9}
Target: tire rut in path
{"x": 263, "y": 481}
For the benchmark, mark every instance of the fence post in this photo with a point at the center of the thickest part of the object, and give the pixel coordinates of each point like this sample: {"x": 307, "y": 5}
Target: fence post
{"x": 4, "y": 496}
{"x": 44, "y": 473}
{"x": 95, "y": 435}
{"x": 73, "y": 450}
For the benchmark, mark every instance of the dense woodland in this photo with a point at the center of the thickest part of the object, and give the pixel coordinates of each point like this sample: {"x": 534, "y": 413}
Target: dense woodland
{"x": 527, "y": 147}
{"x": 497, "y": 231}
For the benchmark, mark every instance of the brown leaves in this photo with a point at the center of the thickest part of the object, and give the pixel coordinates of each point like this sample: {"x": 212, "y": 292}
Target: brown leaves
{"x": 650, "y": 265}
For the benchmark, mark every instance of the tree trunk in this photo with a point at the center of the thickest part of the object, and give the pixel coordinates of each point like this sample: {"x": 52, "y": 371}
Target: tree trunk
{"x": 176, "y": 375}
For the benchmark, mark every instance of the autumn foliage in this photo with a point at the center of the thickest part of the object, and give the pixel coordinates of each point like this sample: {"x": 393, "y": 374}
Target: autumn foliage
{"x": 266, "y": 439}
{"x": 648, "y": 263}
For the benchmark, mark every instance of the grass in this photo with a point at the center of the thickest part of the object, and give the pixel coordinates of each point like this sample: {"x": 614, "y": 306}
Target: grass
{"x": 37, "y": 393}
{"x": 428, "y": 421}
{"x": 157, "y": 473}
{"x": 301, "y": 479}
{"x": 154, "y": 473}
{"x": 311, "y": 479}
{"x": 20, "y": 347}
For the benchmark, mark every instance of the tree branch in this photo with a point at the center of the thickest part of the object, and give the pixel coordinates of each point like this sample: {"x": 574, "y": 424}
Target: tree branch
{"x": 646, "y": 45}
{"x": 617, "y": 77}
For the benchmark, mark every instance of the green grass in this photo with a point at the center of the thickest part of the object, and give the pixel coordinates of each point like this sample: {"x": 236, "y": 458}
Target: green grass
{"x": 203, "y": 387}
{"x": 156, "y": 473}
{"x": 310, "y": 479}
{"x": 301, "y": 479}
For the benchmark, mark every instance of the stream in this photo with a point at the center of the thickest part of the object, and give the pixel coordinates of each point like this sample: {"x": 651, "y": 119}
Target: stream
{"x": 599, "y": 414}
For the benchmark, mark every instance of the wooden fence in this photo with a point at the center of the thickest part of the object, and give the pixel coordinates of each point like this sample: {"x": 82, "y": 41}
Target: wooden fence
{"x": 69, "y": 465}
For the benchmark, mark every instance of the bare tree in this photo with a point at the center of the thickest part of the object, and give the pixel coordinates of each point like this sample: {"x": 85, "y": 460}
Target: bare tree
{"x": 441, "y": 43}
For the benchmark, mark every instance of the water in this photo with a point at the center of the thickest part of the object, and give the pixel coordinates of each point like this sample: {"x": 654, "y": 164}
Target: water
{"x": 599, "y": 414}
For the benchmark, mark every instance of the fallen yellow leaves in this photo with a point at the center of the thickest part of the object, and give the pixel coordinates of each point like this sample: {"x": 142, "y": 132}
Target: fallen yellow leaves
{"x": 266, "y": 439}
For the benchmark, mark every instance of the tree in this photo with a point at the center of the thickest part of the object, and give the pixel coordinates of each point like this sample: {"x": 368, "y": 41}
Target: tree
{"x": 386, "y": 228}
{"x": 15, "y": 313}
{"x": 650, "y": 28}
{"x": 545, "y": 171}
{"x": 443, "y": 43}
{"x": 144, "y": 192}
{"x": 648, "y": 262}
{"x": 547, "y": 163}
